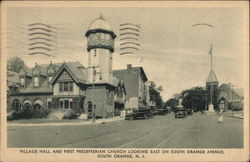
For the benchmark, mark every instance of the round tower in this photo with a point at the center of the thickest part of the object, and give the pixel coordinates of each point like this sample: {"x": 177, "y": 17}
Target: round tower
{"x": 100, "y": 45}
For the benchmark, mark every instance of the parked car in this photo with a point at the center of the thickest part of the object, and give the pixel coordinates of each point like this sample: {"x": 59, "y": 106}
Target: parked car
{"x": 180, "y": 113}
{"x": 153, "y": 112}
{"x": 161, "y": 111}
{"x": 189, "y": 111}
{"x": 139, "y": 114}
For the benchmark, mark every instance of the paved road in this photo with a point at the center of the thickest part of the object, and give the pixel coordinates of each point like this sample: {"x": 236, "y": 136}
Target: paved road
{"x": 197, "y": 131}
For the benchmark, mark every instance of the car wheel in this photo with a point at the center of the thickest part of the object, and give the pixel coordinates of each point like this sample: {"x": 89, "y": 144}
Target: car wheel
{"x": 145, "y": 116}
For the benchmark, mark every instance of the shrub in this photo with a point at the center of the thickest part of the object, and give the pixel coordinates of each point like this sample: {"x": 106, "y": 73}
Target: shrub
{"x": 28, "y": 114}
{"x": 71, "y": 115}
{"x": 41, "y": 113}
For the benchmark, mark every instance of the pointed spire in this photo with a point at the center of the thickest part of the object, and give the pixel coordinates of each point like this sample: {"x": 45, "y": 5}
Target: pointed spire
{"x": 212, "y": 77}
{"x": 101, "y": 17}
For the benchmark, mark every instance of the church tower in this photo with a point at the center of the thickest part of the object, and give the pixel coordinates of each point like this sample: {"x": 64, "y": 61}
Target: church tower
{"x": 212, "y": 90}
{"x": 211, "y": 86}
{"x": 100, "y": 47}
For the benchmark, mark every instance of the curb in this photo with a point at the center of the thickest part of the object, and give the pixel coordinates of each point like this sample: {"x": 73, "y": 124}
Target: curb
{"x": 238, "y": 117}
{"x": 63, "y": 124}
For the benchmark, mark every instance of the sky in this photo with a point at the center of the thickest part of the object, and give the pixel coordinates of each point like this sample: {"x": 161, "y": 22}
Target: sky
{"x": 173, "y": 53}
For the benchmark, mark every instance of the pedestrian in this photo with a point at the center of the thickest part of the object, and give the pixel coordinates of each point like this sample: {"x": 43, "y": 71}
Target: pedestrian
{"x": 220, "y": 120}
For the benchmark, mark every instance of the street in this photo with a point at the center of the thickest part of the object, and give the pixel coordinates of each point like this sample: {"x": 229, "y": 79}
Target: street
{"x": 197, "y": 131}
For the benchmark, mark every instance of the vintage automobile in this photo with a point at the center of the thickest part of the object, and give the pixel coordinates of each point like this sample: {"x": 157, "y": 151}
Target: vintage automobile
{"x": 180, "y": 113}
{"x": 189, "y": 111}
{"x": 138, "y": 114}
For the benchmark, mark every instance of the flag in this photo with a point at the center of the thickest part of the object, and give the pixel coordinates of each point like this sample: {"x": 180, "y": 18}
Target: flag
{"x": 211, "y": 50}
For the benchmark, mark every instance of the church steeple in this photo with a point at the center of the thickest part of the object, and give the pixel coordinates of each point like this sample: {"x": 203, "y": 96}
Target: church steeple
{"x": 211, "y": 77}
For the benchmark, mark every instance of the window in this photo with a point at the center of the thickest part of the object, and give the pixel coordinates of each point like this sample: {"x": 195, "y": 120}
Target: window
{"x": 66, "y": 104}
{"x": 49, "y": 105}
{"x": 66, "y": 86}
{"x": 61, "y": 104}
{"x": 22, "y": 82}
{"x": 102, "y": 36}
{"x": 107, "y": 36}
{"x": 36, "y": 81}
{"x": 70, "y": 86}
{"x": 60, "y": 86}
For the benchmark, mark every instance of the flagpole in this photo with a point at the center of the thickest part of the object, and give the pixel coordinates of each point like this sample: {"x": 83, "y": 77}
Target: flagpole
{"x": 211, "y": 89}
{"x": 211, "y": 54}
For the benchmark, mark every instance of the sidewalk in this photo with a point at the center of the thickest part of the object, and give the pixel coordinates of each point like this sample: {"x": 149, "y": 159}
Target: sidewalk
{"x": 65, "y": 123}
{"x": 235, "y": 115}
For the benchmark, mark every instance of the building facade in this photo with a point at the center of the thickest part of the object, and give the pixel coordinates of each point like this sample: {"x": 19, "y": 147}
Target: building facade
{"x": 69, "y": 86}
{"x": 134, "y": 79}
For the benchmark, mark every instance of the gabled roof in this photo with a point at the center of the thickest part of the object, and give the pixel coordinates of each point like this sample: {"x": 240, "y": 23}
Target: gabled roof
{"x": 124, "y": 71}
{"x": 239, "y": 91}
{"x": 212, "y": 77}
{"x": 75, "y": 69}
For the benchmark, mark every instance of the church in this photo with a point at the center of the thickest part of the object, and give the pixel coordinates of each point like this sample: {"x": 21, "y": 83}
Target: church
{"x": 233, "y": 98}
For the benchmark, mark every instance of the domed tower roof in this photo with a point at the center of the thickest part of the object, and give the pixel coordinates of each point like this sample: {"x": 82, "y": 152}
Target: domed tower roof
{"x": 100, "y": 23}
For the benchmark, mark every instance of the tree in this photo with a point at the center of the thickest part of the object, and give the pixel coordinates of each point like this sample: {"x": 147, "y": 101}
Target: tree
{"x": 15, "y": 64}
{"x": 172, "y": 102}
{"x": 194, "y": 98}
{"x": 155, "y": 95}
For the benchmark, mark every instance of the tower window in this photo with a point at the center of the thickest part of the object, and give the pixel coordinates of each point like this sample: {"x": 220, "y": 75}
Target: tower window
{"x": 107, "y": 36}
{"x": 102, "y": 36}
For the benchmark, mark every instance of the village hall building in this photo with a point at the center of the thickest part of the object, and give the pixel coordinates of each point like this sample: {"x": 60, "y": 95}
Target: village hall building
{"x": 69, "y": 85}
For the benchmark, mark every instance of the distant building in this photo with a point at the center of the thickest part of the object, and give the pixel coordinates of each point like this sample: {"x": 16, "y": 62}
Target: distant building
{"x": 233, "y": 97}
{"x": 134, "y": 79}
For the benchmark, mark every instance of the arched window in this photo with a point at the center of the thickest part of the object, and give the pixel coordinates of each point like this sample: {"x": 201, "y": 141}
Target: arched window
{"x": 16, "y": 105}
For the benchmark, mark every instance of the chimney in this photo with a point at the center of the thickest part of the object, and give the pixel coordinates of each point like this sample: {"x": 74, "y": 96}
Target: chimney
{"x": 129, "y": 66}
